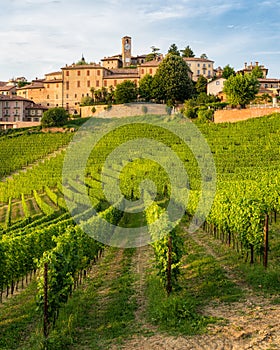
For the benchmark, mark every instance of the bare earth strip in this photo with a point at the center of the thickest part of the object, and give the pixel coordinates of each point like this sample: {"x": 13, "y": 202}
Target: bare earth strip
{"x": 253, "y": 324}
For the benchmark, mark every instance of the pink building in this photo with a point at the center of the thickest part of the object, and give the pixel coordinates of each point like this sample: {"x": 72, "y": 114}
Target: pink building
{"x": 16, "y": 109}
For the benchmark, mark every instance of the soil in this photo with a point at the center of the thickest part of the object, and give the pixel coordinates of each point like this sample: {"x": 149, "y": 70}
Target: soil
{"x": 252, "y": 324}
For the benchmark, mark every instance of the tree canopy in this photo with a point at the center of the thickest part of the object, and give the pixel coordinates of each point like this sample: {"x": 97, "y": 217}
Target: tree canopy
{"x": 201, "y": 84}
{"x": 171, "y": 82}
{"x": 257, "y": 72}
{"x": 56, "y": 116}
{"x": 241, "y": 89}
{"x": 187, "y": 52}
{"x": 125, "y": 92}
{"x": 145, "y": 87}
{"x": 173, "y": 49}
{"x": 228, "y": 71}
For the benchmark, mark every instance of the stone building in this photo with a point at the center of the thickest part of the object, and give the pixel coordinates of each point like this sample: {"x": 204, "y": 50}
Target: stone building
{"x": 68, "y": 86}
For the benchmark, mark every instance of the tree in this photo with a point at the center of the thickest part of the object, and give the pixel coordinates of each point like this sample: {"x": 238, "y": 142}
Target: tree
{"x": 87, "y": 101}
{"x": 228, "y": 71}
{"x": 204, "y": 56}
{"x": 153, "y": 55}
{"x": 171, "y": 82}
{"x": 56, "y": 116}
{"x": 257, "y": 72}
{"x": 201, "y": 84}
{"x": 126, "y": 92}
{"x": 173, "y": 49}
{"x": 187, "y": 52}
{"x": 241, "y": 89}
{"x": 145, "y": 87}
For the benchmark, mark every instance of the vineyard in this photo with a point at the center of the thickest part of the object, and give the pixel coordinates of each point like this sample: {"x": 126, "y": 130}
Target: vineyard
{"x": 58, "y": 226}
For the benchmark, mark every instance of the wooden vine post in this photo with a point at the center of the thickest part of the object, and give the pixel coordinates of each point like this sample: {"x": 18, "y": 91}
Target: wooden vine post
{"x": 169, "y": 264}
{"x": 265, "y": 253}
{"x": 46, "y": 318}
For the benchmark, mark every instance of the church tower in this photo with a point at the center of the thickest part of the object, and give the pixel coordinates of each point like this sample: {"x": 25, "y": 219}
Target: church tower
{"x": 126, "y": 51}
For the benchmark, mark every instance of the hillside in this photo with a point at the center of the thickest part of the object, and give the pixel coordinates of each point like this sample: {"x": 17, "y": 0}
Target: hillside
{"x": 104, "y": 297}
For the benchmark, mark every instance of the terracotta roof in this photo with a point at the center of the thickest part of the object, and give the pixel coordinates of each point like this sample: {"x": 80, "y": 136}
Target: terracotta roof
{"x": 197, "y": 59}
{"x": 82, "y": 66}
{"x": 14, "y": 98}
{"x": 7, "y": 87}
{"x": 37, "y": 106}
{"x": 36, "y": 84}
{"x": 269, "y": 80}
{"x": 111, "y": 58}
{"x": 3, "y": 83}
{"x": 54, "y": 73}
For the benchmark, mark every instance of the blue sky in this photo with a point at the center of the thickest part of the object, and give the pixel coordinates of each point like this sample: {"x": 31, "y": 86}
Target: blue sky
{"x": 41, "y": 36}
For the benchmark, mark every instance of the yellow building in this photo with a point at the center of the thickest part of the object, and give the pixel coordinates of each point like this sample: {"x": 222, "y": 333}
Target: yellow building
{"x": 68, "y": 86}
{"x": 200, "y": 66}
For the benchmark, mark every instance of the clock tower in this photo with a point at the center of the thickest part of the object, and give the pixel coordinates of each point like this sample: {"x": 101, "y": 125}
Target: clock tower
{"x": 126, "y": 51}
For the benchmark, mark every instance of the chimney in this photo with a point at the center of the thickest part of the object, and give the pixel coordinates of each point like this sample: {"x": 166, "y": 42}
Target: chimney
{"x": 245, "y": 65}
{"x": 257, "y": 63}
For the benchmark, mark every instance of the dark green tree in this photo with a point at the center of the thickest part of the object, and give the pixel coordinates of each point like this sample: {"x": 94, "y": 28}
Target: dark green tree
{"x": 241, "y": 89}
{"x": 173, "y": 49}
{"x": 146, "y": 87}
{"x": 187, "y": 52}
{"x": 257, "y": 72}
{"x": 126, "y": 92}
{"x": 153, "y": 55}
{"x": 201, "y": 84}
{"x": 228, "y": 71}
{"x": 56, "y": 116}
{"x": 171, "y": 83}
{"x": 204, "y": 56}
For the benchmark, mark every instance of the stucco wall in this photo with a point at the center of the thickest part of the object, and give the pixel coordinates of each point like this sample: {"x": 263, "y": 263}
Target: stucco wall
{"x": 235, "y": 115}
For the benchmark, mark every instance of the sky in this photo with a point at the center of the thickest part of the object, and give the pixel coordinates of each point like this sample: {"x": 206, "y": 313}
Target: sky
{"x": 41, "y": 36}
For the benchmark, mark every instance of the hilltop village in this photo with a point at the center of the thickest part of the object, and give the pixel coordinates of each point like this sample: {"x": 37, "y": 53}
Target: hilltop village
{"x": 25, "y": 102}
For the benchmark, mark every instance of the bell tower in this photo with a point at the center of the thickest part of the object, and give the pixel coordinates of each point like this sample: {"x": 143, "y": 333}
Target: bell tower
{"x": 126, "y": 51}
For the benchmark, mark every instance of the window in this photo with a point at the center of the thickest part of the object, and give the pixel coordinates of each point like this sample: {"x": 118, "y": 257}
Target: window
{"x": 209, "y": 73}
{"x": 67, "y": 73}
{"x": 48, "y": 96}
{"x": 142, "y": 71}
{"x": 79, "y": 73}
{"x": 48, "y": 86}
{"x": 57, "y": 85}
{"x": 76, "y": 95}
{"x": 198, "y": 65}
{"x": 88, "y": 83}
{"x": 204, "y": 65}
{"x": 67, "y": 85}
{"x": 78, "y": 84}
{"x": 67, "y": 95}
{"x": 56, "y": 97}
{"x": 151, "y": 70}
{"x": 88, "y": 72}
{"x": 105, "y": 82}
{"x": 198, "y": 72}
{"x": 115, "y": 82}
{"x": 97, "y": 83}
{"x": 98, "y": 72}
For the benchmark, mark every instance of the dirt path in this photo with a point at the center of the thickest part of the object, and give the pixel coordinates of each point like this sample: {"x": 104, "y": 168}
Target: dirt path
{"x": 252, "y": 324}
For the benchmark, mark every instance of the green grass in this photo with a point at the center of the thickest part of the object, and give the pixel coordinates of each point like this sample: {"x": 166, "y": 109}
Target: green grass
{"x": 265, "y": 281}
{"x": 17, "y": 317}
